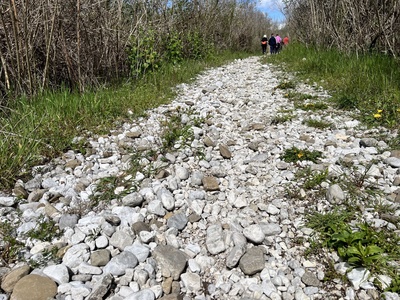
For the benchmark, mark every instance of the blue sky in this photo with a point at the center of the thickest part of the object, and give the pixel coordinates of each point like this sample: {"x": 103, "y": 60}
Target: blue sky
{"x": 273, "y": 8}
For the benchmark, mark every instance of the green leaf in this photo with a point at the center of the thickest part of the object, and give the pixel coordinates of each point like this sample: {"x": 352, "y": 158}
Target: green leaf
{"x": 354, "y": 251}
{"x": 374, "y": 249}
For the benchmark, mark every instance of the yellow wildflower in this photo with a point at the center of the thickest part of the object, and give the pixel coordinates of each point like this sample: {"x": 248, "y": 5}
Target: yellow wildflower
{"x": 300, "y": 155}
{"x": 377, "y": 116}
{"x": 379, "y": 111}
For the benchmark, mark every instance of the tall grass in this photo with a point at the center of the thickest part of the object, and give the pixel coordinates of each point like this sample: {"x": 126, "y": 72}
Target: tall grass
{"x": 369, "y": 84}
{"x": 35, "y": 130}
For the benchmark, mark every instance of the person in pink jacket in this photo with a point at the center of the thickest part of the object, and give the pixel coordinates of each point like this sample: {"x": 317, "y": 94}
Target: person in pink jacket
{"x": 278, "y": 43}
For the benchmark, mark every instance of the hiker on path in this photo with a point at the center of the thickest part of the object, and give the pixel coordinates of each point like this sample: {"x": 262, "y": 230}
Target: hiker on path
{"x": 286, "y": 40}
{"x": 278, "y": 40}
{"x": 264, "y": 43}
{"x": 272, "y": 44}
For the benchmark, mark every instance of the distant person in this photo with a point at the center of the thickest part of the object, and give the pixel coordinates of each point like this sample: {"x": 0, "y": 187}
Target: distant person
{"x": 272, "y": 44}
{"x": 286, "y": 41}
{"x": 278, "y": 40}
{"x": 264, "y": 43}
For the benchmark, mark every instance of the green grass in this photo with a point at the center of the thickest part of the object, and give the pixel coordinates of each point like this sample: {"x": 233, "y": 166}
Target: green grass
{"x": 317, "y": 123}
{"x": 35, "y": 130}
{"x": 369, "y": 83}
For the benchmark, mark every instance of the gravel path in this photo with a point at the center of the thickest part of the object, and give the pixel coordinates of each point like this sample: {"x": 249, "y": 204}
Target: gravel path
{"x": 218, "y": 216}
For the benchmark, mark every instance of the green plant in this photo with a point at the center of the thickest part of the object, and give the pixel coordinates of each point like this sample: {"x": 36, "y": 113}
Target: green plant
{"x": 297, "y": 96}
{"x": 143, "y": 54}
{"x": 174, "y": 48}
{"x": 312, "y": 106}
{"x": 317, "y": 123}
{"x": 46, "y": 256}
{"x": 369, "y": 256}
{"x": 282, "y": 118}
{"x": 175, "y": 131}
{"x": 312, "y": 179}
{"x": 197, "y": 46}
{"x": 294, "y": 154}
{"x": 105, "y": 190}
{"x": 10, "y": 246}
{"x": 394, "y": 285}
{"x": 359, "y": 244}
{"x": 286, "y": 84}
{"x": 45, "y": 230}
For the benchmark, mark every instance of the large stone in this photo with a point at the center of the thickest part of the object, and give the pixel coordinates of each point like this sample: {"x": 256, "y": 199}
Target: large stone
{"x": 177, "y": 221}
{"x": 174, "y": 296}
{"x": 171, "y": 261}
{"x": 310, "y": 279}
{"x": 100, "y": 257}
{"x": 254, "y": 233}
{"x": 146, "y": 294}
{"x": 75, "y": 255}
{"x": 7, "y": 201}
{"x": 215, "y": 240}
{"x": 101, "y": 287}
{"x": 234, "y": 256}
{"x": 58, "y": 273}
{"x": 224, "y": 151}
{"x": 167, "y": 198}
{"x": 133, "y": 199}
{"x": 121, "y": 239}
{"x": 335, "y": 194}
{"x": 118, "y": 264}
{"x": 34, "y": 287}
{"x": 210, "y": 183}
{"x": 13, "y": 277}
{"x": 252, "y": 261}
{"x": 192, "y": 282}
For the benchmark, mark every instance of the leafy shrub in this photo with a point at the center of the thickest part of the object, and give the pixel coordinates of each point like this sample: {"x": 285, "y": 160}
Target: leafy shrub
{"x": 174, "y": 48}
{"x": 143, "y": 54}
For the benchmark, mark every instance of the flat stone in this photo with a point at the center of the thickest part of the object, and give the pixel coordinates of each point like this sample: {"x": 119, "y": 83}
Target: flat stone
{"x": 171, "y": 261}
{"x": 225, "y": 152}
{"x": 214, "y": 240}
{"x": 59, "y": 273}
{"x": 146, "y": 294}
{"x": 101, "y": 288}
{"x": 192, "y": 282}
{"x": 100, "y": 257}
{"x": 133, "y": 199}
{"x": 34, "y": 287}
{"x": 310, "y": 279}
{"x": 234, "y": 257}
{"x": 137, "y": 227}
{"x": 7, "y": 201}
{"x": 254, "y": 233}
{"x": 252, "y": 261}
{"x": 210, "y": 183}
{"x": 10, "y": 279}
{"x": 177, "y": 221}
{"x": 335, "y": 194}
{"x": 393, "y": 162}
{"x": 121, "y": 239}
{"x": 118, "y": 264}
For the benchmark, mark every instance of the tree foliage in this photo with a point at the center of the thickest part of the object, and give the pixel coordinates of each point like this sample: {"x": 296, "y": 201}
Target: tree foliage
{"x": 84, "y": 43}
{"x": 349, "y": 25}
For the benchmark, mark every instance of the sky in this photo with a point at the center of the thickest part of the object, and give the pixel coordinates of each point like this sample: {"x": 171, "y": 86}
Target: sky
{"x": 273, "y": 8}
